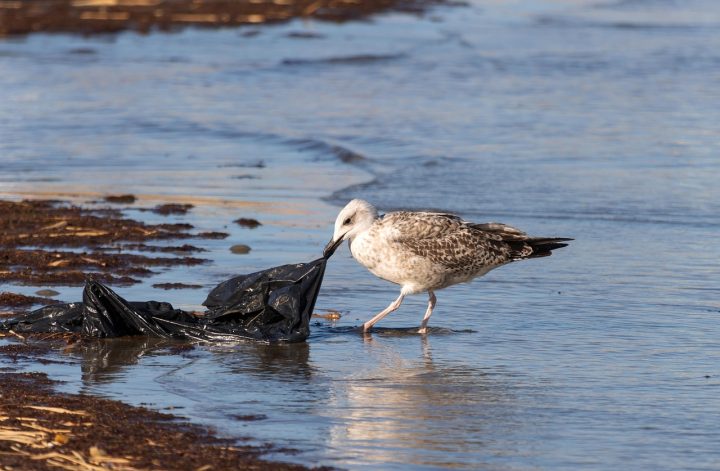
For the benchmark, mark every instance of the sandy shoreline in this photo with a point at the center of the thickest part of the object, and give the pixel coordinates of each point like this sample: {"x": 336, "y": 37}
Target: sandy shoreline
{"x": 41, "y": 429}
{"x": 92, "y": 431}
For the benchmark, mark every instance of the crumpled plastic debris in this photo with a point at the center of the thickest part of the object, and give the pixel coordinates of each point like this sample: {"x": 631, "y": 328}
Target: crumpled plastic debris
{"x": 273, "y": 305}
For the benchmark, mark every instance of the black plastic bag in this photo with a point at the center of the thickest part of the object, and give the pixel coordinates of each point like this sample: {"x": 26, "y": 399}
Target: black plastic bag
{"x": 272, "y": 305}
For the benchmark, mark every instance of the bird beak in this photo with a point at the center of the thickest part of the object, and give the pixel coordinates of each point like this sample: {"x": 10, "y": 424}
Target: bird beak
{"x": 331, "y": 247}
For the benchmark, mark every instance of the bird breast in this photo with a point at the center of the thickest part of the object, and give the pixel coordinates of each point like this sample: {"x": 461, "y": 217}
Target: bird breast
{"x": 367, "y": 253}
{"x": 385, "y": 259}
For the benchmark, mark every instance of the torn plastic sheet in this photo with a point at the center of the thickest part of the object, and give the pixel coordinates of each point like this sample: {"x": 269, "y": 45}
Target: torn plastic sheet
{"x": 272, "y": 305}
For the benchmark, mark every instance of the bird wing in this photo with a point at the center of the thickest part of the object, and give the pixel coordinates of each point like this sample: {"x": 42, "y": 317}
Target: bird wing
{"x": 504, "y": 231}
{"x": 449, "y": 241}
{"x": 403, "y": 225}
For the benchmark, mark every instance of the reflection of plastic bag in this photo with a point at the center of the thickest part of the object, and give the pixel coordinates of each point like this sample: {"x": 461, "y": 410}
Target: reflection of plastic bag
{"x": 272, "y": 305}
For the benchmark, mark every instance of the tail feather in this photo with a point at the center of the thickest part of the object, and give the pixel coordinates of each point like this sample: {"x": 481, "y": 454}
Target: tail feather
{"x": 521, "y": 246}
{"x": 543, "y": 246}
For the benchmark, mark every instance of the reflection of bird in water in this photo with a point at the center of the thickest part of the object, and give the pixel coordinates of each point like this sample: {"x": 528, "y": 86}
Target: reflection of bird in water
{"x": 398, "y": 410}
{"x": 426, "y": 251}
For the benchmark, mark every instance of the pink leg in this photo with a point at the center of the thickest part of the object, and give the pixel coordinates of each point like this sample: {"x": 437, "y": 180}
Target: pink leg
{"x": 428, "y": 313}
{"x": 393, "y": 306}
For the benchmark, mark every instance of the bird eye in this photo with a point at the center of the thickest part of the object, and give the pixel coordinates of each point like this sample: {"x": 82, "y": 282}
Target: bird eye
{"x": 347, "y": 221}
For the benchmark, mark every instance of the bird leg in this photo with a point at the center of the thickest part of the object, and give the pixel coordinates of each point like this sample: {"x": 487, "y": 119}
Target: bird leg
{"x": 431, "y": 305}
{"x": 393, "y": 306}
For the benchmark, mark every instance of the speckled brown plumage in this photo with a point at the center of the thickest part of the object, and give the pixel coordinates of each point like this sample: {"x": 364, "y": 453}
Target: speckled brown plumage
{"x": 447, "y": 240}
{"x": 426, "y": 251}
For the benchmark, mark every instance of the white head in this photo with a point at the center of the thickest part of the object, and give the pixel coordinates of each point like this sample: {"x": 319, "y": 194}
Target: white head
{"x": 356, "y": 217}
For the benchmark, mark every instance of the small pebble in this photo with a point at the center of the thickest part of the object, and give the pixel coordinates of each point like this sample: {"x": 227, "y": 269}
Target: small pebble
{"x": 46, "y": 292}
{"x": 247, "y": 222}
{"x": 240, "y": 249}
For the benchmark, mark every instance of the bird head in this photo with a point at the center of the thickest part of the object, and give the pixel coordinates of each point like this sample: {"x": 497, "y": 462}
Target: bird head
{"x": 356, "y": 217}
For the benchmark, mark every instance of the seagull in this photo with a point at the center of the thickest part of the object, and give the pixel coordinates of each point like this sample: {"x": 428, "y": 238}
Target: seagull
{"x": 426, "y": 251}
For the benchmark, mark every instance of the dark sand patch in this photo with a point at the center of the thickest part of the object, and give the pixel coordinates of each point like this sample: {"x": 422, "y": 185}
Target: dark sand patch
{"x": 214, "y": 235}
{"x": 42, "y": 429}
{"x": 120, "y": 199}
{"x": 179, "y": 249}
{"x": 172, "y": 208}
{"x": 35, "y": 237}
{"x": 20, "y": 300}
{"x": 108, "y": 16}
{"x": 250, "y": 223}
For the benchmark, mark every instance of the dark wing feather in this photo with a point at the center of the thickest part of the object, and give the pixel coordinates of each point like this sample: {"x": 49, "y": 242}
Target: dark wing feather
{"x": 447, "y": 240}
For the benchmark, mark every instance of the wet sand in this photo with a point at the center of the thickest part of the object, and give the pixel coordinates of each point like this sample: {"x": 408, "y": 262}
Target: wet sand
{"x": 42, "y": 429}
{"x": 49, "y": 243}
{"x": 109, "y": 16}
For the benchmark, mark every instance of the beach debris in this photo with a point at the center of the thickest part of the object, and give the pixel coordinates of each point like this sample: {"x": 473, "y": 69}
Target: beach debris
{"x": 15, "y": 334}
{"x": 58, "y": 410}
{"x": 26, "y": 432}
{"x": 272, "y": 305}
{"x": 329, "y": 315}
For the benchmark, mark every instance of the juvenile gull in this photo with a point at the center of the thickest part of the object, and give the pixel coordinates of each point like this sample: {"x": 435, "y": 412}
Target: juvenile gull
{"x": 427, "y": 251}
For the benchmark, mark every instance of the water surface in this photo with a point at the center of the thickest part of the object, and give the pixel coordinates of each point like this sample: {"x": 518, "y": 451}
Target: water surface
{"x": 591, "y": 120}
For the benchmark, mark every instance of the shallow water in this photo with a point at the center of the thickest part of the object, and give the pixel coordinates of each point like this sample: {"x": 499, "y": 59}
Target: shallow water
{"x": 592, "y": 120}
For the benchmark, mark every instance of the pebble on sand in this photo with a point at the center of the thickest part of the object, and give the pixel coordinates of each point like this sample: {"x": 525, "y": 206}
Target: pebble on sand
{"x": 247, "y": 222}
{"x": 240, "y": 249}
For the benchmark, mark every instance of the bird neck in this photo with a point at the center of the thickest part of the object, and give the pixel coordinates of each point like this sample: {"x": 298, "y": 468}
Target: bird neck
{"x": 358, "y": 234}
